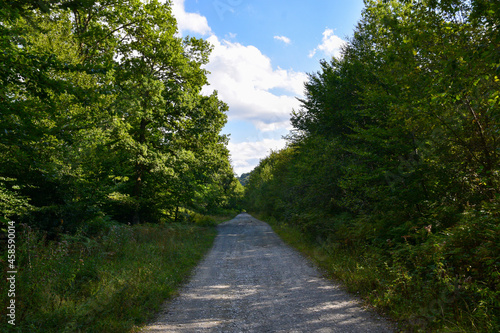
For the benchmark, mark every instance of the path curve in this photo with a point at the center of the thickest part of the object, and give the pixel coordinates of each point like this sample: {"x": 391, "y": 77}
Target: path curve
{"x": 252, "y": 282}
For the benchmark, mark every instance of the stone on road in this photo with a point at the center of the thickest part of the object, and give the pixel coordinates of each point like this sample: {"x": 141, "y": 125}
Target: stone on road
{"x": 252, "y": 282}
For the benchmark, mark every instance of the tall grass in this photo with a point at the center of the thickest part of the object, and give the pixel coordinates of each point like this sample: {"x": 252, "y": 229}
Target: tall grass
{"x": 112, "y": 282}
{"x": 416, "y": 286}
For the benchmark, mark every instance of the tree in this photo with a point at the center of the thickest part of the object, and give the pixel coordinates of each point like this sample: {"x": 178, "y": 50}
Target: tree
{"x": 53, "y": 102}
{"x": 394, "y": 153}
{"x": 103, "y": 112}
{"x": 159, "y": 82}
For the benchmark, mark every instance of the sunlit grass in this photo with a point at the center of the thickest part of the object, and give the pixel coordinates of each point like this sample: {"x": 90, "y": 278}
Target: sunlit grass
{"x": 439, "y": 302}
{"x": 114, "y": 282}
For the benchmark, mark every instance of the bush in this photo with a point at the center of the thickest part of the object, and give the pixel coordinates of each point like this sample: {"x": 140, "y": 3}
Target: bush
{"x": 203, "y": 220}
{"x": 110, "y": 282}
{"x": 445, "y": 281}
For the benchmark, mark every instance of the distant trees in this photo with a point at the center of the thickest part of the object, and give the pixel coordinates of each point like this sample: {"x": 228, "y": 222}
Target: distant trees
{"x": 398, "y": 139}
{"x": 102, "y": 115}
{"x": 244, "y": 178}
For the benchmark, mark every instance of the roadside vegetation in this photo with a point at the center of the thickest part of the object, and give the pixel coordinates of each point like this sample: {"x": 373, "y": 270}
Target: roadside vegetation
{"x": 103, "y": 117}
{"x": 416, "y": 303}
{"x": 391, "y": 176}
{"x": 111, "y": 162}
{"x": 109, "y": 277}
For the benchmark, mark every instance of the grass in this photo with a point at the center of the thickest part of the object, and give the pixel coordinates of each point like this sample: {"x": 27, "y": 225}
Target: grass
{"x": 113, "y": 282}
{"x": 440, "y": 302}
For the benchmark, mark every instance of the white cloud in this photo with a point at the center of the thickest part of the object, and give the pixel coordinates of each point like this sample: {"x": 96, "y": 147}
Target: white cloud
{"x": 330, "y": 46}
{"x": 246, "y": 155}
{"x": 192, "y": 22}
{"x": 245, "y": 80}
{"x": 284, "y": 39}
{"x": 253, "y": 89}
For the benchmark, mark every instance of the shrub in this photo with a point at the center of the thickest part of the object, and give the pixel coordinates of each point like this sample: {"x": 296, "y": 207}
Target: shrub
{"x": 110, "y": 282}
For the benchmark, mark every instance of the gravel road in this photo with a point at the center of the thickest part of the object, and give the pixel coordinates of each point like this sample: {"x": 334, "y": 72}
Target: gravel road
{"x": 252, "y": 282}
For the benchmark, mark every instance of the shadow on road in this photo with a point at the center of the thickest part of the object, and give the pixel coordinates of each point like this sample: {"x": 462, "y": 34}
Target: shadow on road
{"x": 252, "y": 282}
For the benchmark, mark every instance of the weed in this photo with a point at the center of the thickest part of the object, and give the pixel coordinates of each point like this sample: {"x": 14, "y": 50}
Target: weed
{"x": 111, "y": 282}
{"x": 446, "y": 283}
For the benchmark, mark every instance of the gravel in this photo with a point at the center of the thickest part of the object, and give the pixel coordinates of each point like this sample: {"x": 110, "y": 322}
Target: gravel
{"x": 252, "y": 282}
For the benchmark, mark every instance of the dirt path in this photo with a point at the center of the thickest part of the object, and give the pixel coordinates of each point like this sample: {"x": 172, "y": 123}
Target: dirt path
{"x": 252, "y": 282}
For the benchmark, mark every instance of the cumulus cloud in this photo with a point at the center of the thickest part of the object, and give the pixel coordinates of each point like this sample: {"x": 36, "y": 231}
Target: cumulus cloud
{"x": 191, "y": 22}
{"x": 246, "y": 155}
{"x": 254, "y": 91}
{"x": 284, "y": 39}
{"x": 330, "y": 46}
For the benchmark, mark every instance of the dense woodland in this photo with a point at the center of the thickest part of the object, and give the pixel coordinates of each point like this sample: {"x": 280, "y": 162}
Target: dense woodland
{"x": 395, "y": 154}
{"x": 111, "y": 162}
{"x": 102, "y": 117}
{"x": 393, "y": 160}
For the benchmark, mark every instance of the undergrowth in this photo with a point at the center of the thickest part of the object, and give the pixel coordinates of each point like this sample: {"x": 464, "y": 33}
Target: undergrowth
{"x": 114, "y": 281}
{"x": 447, "y": 283}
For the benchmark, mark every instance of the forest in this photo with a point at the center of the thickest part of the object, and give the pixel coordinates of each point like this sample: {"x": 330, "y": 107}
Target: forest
{"x": 103, "y": 117}
{"x": 393, "y": 164}
{"x": 114, "y": 171}
{"x": 112, "y": 162}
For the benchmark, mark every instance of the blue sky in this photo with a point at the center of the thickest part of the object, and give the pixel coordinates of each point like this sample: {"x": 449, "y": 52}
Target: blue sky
{"x": 263, "y": 50}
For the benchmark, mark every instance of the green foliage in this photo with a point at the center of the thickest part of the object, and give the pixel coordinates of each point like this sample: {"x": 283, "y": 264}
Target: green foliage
{"x": 102, "y": 115}
{"x": 11, "y": 202}
{"x": 429, "y": 287}
{"x": 103, "y": 125}
{"x": 109, "y": 283}
{"x": 394, "y": 160}
{"x": 203, "y": 221}
{"x": 244, "y": 178}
